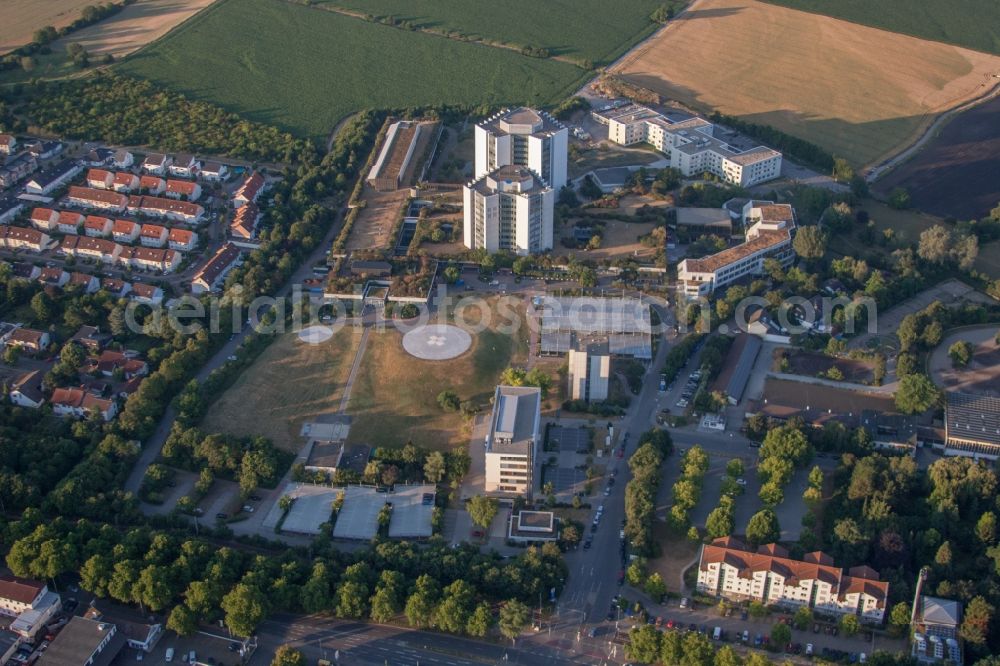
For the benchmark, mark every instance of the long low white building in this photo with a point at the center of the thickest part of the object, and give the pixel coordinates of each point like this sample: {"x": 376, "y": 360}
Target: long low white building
{"x": 691, "y": 145}
{"x": 769, "y": 236}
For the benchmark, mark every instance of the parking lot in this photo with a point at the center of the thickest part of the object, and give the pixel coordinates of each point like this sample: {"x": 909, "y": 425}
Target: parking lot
{"x": 822, "y": 635}
{"x": 575, "y": 440}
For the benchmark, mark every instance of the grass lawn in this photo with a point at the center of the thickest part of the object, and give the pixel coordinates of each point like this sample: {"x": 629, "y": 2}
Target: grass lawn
{"x": 290, "y": 383}
{"x": 974, "y": 24}
{"x": 580, "y": 29}
{"x": 907, "y": 226}
{"x": 304, "y": 68}
{"x": 394, "y": 399}
{"x": 988, "y": 260}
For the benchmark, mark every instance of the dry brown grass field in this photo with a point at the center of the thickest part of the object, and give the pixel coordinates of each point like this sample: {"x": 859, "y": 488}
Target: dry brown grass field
{"x": 859, "y": 92}
{"x": 134, "y": 27}
{"x": 290, "y": 382}
{"x": 22, "y": 17}
{"x": 394, "y": 397}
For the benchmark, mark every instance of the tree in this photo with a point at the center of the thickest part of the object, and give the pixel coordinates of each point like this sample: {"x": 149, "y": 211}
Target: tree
{"x": 935, "y": 244}
{"x": 756, "y": 610}
{"x": 635, "y": 574}
{"x": 286, "y": 655}
{"x": 899, "y": 618}
{"x": 986, "y": 528}
{"x": 448, "y": 400}
{"x": 763, "y": 528}
{"x": 420, "y": 605}
{"x": 643, "y": 644}
{"x": 960, "y": 353}
{"x": 480, "y": 621}
{"x": 482, "y": 510}
{"x": 182, "y": 620}
{"x": 655, "y": 587}
{"x": 245, "y": 607}
{"x": 810, "y": 242}
{"x": 803, "y": 618}
{"x": 916, "y": 394}
{"x": 452, "y": 613}
{"x": 734, "y": 468}
{"x": 434, "y": 467}
{"x": 899, "y": 198}
{"x": 781, "y": 635}
{"x": 513, "y": 618}
{"x": 976, "y": 621}
{"x": 720, "y": 521}
{"x": 850, "y": 625}
{"x": 44, "y": 308}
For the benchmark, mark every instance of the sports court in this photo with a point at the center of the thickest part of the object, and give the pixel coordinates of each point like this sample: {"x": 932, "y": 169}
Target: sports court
{"x": 312, "y": 507}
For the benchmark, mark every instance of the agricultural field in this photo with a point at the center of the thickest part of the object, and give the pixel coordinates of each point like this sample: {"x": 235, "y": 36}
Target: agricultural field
{"x": 290, "y": 383}
{"x": 820, "y": 78}
{"x": 974, "y": 24}
{"x": 307, "y": 68}
{"x": 577, "y": 29}
{"x": 22, "y": 17}
{"x": 955, "y": 173}
{"x": 394, "y": 396}
{"x": 133, "y": 27}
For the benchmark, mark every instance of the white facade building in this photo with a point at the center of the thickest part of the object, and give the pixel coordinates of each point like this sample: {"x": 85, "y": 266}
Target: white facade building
{"x": 691, "y": 145}
{"x": 730, "y": 569}
{"x": 769, "y": 237}
{"x": 523, "y": 137}
{"x": 510, "y": 209}
{"x": 513, "y": 441}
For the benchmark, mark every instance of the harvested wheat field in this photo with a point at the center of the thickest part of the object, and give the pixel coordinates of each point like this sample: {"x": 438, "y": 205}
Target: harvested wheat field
{"x": 858, "y": 92}
{"x": 135, "y": 26}
{"x": 22, "y": 17}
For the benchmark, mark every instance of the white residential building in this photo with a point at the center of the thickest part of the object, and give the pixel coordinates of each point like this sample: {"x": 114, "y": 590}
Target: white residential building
{"x": 513, "y": 441}
{"x": 510, "y": 209}
{"x": 589, "y": 373}
{"x": 730, "y": 569}
{"x": 769, "y": 237}
{"x": 523, "y": 137}
{"x": 691, "y": 146}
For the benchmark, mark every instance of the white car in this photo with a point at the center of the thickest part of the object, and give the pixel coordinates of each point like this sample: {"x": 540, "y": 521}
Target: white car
{"x": 809, "y": 649}
{"x": 741, "y": 481}
{"x": 684, "y": 602}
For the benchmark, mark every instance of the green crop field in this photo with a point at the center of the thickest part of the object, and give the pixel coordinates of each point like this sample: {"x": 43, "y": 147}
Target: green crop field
{"x": 303, "y": 69}
{"x": 580, "y": 29}
{"x": 974, "y": 24}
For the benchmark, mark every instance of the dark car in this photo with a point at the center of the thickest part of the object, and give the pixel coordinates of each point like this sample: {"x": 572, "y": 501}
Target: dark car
{"x": 587, "y": 544}
{"x": 692, "y": 627}
{"x": 221, "y": 516}
{"x": 744, "y": 615}
{"x": 255, "y": 498}
{"x": 621, "y": 577}
{"x": 70, "y": 605}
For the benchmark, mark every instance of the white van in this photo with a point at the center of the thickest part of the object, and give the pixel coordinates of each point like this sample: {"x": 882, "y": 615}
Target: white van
{"x": 192, "y": 657}
{"x": 717, "y": 634}
{"x": 169, "y": 656}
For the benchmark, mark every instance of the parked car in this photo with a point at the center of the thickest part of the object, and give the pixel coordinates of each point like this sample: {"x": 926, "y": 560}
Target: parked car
{"x": 685, "y": 602}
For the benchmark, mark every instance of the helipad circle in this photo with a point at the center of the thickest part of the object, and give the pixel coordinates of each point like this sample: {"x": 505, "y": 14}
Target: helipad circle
{"x": 437, "y": 342}
{"x": 314, "y": 335}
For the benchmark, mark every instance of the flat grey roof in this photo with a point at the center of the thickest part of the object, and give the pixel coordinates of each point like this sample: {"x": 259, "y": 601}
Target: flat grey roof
{"x": 312, "y": 507}
{"x": 739, "y": 362}
{"x": 358, "y": 517}
{"x": 412, "y": 512}
{"x": 704, "y": 217}
{"x": 77, "y": 642}
{"x": 513, "y": 420}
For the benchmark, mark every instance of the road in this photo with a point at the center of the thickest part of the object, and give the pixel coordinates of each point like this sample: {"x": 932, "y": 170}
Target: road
{"x": 151, "y": 448}
{"x": 594, "y": 573}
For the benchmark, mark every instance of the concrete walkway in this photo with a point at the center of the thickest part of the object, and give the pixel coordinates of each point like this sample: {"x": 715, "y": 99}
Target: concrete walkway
{"x": 358, "y": 355}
